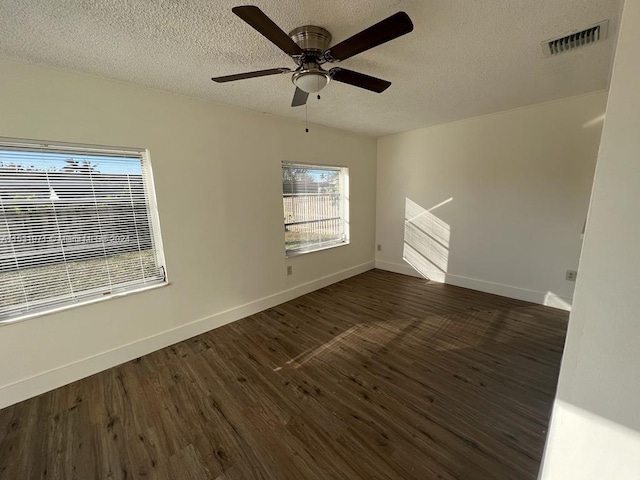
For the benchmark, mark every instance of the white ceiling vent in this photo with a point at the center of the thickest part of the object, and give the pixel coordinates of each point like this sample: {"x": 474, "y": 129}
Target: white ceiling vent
{"x": 594, "y": 33}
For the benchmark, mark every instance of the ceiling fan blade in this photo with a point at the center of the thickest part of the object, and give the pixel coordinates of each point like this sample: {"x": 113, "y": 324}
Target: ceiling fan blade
{"x": 299, "y": 98}
{"x": 392, "y": 27}
{"x": 258, "y": 73}
{"x": 263, "y": 24}
{"x": 359, "y": 80}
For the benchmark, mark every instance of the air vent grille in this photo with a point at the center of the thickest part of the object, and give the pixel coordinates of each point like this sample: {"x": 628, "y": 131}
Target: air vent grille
{"x": 592, "y": 34}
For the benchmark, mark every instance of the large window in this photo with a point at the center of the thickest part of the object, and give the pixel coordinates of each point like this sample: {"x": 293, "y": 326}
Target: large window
{"x": 76, "y": 224}
{"x": 316, "y": 207}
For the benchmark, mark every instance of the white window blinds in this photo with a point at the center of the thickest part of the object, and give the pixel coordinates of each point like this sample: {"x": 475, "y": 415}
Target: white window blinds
{"x": 76, "y": 223}
{"x": 315, "y": 201}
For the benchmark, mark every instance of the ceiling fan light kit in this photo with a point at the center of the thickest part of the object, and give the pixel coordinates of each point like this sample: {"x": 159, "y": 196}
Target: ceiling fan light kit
{"x": 309, "y": 47}
{"x": 311, "y": 80}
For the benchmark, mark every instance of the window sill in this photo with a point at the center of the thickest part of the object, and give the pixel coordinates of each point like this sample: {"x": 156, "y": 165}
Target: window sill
{"x": 81, "y": 303}
{"x": 297, "y": 253}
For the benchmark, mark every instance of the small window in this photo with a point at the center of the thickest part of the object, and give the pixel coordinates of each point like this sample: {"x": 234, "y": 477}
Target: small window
{"x": 316, "y": 208}
{"x": 76, "y": 224}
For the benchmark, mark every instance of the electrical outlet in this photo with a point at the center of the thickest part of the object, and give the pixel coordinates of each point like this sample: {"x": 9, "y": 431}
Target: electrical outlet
{"x": 571, "y": 275}
{"x": 379, "y": 247}
{"x": 289, "y": 269}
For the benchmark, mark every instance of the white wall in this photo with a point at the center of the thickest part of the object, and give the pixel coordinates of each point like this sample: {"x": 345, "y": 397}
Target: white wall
{"x": 218, "y": 183}
{"x": 595, "y": 428}
{"x": 519, "y": 183}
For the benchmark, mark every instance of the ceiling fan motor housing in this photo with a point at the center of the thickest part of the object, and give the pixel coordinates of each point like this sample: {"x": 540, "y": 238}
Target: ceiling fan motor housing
{"x": 311, "y": 39}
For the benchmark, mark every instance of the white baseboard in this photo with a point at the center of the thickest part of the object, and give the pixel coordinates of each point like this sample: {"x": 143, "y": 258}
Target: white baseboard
{"x": 65, "y": 374}
{"x": 397, "y": 268}
{"x": 543, "y": 298}
{"x": 534, "y": 296}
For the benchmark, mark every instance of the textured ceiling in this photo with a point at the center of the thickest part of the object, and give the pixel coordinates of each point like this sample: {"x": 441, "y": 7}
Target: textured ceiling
{"x": 463, "y": 59}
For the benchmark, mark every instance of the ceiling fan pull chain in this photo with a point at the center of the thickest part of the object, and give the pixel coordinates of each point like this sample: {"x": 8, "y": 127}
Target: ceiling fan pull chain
{"x": 318, "y": 78}
{"x": 306, "y": 119}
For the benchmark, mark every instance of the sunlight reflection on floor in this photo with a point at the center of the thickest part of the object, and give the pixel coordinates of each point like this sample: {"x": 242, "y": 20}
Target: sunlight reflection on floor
{"x": 439, "y": 332}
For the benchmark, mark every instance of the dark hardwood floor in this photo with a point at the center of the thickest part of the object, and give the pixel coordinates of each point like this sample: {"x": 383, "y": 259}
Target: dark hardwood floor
{"x": 381, "y": 376}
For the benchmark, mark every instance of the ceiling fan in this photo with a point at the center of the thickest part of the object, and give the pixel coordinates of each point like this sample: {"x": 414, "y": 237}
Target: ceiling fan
{"x": 308, "y": 46}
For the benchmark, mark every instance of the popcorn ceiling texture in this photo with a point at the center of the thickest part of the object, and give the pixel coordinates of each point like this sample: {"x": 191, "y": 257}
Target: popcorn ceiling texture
{"x": 464, "y": 58}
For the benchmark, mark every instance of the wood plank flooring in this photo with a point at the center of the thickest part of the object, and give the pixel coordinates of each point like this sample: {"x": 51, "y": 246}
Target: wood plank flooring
{"x": 381, "y": 376}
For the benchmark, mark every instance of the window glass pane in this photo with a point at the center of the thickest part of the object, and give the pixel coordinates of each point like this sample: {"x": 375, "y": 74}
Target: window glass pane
{"x": 313, "y": 201}
{"x": 73, "y": 226}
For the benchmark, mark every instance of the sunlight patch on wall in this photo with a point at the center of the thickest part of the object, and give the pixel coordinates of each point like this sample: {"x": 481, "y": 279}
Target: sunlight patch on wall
{"x": 599, "y": 120}
{"x": 556, "y": 301}
{"x": 426, "y": 241}
{"x": 582, "y": 444}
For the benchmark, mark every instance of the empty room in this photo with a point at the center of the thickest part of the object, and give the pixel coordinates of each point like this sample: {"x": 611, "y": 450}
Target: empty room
{"x": 367, "y": 239}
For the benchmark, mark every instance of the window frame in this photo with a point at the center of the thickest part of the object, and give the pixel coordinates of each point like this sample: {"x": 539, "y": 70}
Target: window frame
{"x": 40, "y": 146}
{"x": 344, "y": 208}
